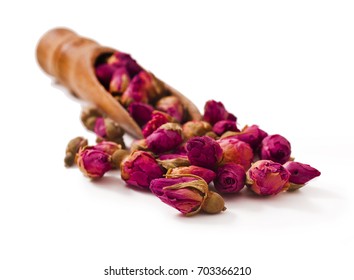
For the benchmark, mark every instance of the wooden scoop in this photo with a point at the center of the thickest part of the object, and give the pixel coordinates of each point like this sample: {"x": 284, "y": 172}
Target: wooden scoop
{"x": 70, "y": 58}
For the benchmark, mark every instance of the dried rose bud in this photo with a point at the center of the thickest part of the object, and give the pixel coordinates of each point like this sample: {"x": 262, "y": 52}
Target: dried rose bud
{"x": 222, "y": 126}
{"x": 166, "y": 138}
{"x": 157, "y": 119}
{"x": 104, "y": 73}
{"x": 108, "y": 129}
{"x": 108, "y": 147}
{"x": 139, "y": 145}
{"x": 300, "y": 174}
{"x": 119, "y": 81}
{"x": 186, "y": 194}
{"x": 139, "y": 169}
{"x": 140, "y": 112}
{"x": 207, "y": 174}
{"x": 89, "y": 116}
{"x": 93, "y": 163}
{"x": 214, "y": 203}
{"x": 172, "y": 161}
{"x": 276, "y": 148}
{"x": 137, "y": 91}
{"x": 204, "y": 152}
{"x": 118, "y": 157}
{"x": 266, "y": 177}
{"x": 215, "y": 111}
{"x": 72, "y": 148}
{"x": 172, "y": 106}
{"x": 195, "y": 128}
{"x": 120, "y": 59}
{"x": 230, "y": 178}
{"x": 252, "y": 135}
{"x": 236, "y": 151}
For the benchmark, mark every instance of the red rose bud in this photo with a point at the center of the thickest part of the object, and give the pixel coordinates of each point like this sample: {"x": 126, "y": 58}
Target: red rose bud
{"x": 276, "y": 148}
{"x": 166, "y": 138}
{"x": 266, "y": 177}
{"x": 107, "y": 147}
{"x": 173, "y": 160}
{"x": 215, "y": 111}
{"x": 104, "y": 73}
{"x": 140, "y": 112}
{"x": 236, "y": 151}
{"x": 120, "y": 59}
{"x": 222, "y": 126}
{"x": 107, "y": 129}
{"x": 300, "y": 174}
{"x": 139, "y": 169}
{"x": 230, "y": 178}
{"x": 172, "y": 106}
{"x": 195, "y": 128}
{"x": 252, "y": 135}
{"x": 119, "y": 81}
{"x": 207, "y": 174}
{"x": 204, "y": 152}
{"x": 157, "y": 119}
{"x": 137, "y": 90}
{"x": 93, "y": 163}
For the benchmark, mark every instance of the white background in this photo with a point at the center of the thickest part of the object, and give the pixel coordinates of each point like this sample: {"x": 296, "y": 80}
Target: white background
{"x": 287, "y": 66}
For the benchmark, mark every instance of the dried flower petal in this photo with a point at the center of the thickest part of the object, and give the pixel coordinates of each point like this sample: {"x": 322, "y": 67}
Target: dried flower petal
{"x": 104, "y": 73}
{"x": 276, "y": 148}
{"x": 172, "y": 160}
{"x": 230, "y": 178}
{"x": 120, "y": 59}
{"x": 166, "y": 138}
{"x": 172, "y": 106}
{"x": 215, "y": 111}
{"x": 266, "y": 177}
{"x": 207, "y": 174}
{"x": 108, "y": 147}
{"x": 119, "y": 81}
{"x": 157, "y": 119}
{"x": 222, "y": 126}
{"x": 93, "y": 163}
{"x": 140, "y": 112}
{"x": 137, "y": 90}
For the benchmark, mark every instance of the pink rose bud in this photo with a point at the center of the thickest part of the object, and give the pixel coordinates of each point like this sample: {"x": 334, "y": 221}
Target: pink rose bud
{"x": 215, "y": 111}
{"x": 107, "y": 129}
{"x": 139, "y": 169}
{"x": 230, "y": 178}
{"x": 300, "y": 173}
{"x": 276, "y": 148}
{"x": 204, "y": 152}
{"x": 252, "y": 135}
{"x": 166, "y": 138}
{"x": 120, "y": 81}
{"x": 186, "y": 194}
{"x": 207, "y": 174}
{"x": 104, "y": 73}
{"x": 172, "y": 106}
{"x": 136, "y": 91}
{"x": 108, "y": 147}
{"x": 195, "y": 128}
{"x": 266, "y": 177}
{"x": 93, "y": 163}
{"x": 120, "y": 59}
{"x": 140, "y": 112}
{"x": 222, "y": 126}
{"x": 236, "y": 151}
{"x": 157, "y": 119}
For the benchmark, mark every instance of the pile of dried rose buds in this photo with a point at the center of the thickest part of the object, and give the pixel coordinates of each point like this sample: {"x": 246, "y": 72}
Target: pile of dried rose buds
{"x": 186, "y": 164}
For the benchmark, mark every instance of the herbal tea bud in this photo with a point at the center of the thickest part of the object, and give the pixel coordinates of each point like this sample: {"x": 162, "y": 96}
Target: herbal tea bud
{"x": 195, "y": 128}
{"x": 157, "y": 119}
{"x": 119, "y": 82}
{"x": 207, "y": 174}
{"x": 104, "y": 73}
{"x": 172, "y": 106}
{"x": 300, "y": 174}
{"x": 139, "y": 169}
{"x": 108, "y": 129}
{"x": 214, "y": 203}
{"x": 276, "y": 148}
{"x": 215, "y": 111}
{"x": 166, "y": 138}
{"x": 236, "y": 151}
{"x": 137, "y": 90}
{"x": 140, "y": 112}
{"x": 93, "y": 163}
{"x": 266, "y": 177}
{"x": 72, "y": 148}
{"x": 230, "y": 178}
{"x": 204, "y": 152}
{"x": 222, "y": 126}
{"x": 108, "y": 147}
{"x": 120, "y": 59}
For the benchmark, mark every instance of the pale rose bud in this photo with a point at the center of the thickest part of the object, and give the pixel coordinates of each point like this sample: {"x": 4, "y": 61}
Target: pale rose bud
{"x": 215, "y": 111}
{"x": 139, "y": 169}
{"x": 166, "y": 138}
{"x": 266, "y": 177}
{"x": 140, "y": 112}
{"x": 222, "y": 126}
{"x": 119, "y": 81}
{"x": 236, "y": 151}
{"x": 300, "y": 174}
{"x": 195, "y": 128}
{"x": 230, "y": 178}
{"x": 276, "y": 148}
{"x": 157, "y": 119}
{"x": 204, "y": 152}
{"x": 207, "y": 174}
{"x": 93, "y": 163}
{"x": 172, "y": 106}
